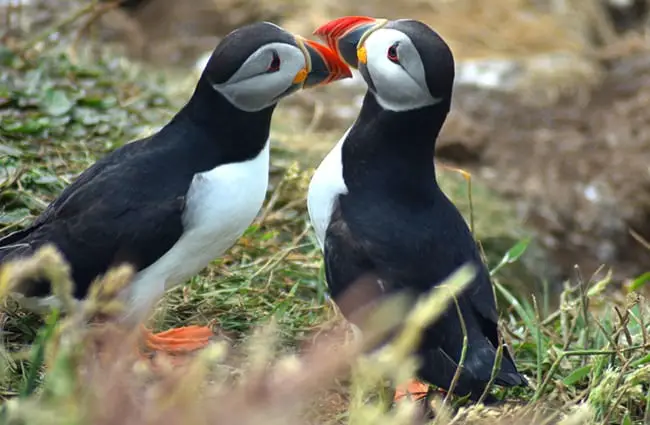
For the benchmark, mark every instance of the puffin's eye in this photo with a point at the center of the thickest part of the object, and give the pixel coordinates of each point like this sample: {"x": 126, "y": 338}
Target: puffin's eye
{"x": 392, "y": 53}
{"x": 275, "y": 63}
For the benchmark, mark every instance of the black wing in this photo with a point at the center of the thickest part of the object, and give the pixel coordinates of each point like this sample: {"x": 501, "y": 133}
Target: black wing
{"x": 415, "y": 253}
{"x": 127, "y": 207}
{"x": 346, "y": 263}
{"x": 118, "y": 155}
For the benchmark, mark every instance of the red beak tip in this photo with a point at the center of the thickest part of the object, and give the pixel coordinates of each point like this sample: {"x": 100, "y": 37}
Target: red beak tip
{"x": 339, "y": 26}
{"x": 323, "y": 30}
{"x": 339, "y": 69}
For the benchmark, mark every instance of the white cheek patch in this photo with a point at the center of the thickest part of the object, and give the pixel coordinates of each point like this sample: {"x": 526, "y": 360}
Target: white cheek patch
{"x": 256, "y": 93}
{"x": 251, "y": 89}
{"x": 398, "y": 87}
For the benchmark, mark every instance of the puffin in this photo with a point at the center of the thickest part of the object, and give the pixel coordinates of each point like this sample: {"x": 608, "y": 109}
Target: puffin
{"x": 169, "y": 204}
{"x": 378, "y": 212}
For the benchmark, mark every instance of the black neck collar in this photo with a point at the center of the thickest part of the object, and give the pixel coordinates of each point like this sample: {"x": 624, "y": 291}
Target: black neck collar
{"x": 393, "y": 146}
{"x": 412, "y": 132}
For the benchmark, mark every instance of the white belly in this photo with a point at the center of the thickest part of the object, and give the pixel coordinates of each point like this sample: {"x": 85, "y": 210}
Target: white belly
{"x": 325, "y": 186}
{"x": 221, "y": 204}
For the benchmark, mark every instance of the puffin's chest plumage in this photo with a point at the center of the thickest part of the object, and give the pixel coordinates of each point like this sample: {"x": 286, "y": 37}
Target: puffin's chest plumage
{"x": 220, "y": 205}
{"x": 326, "y": 185}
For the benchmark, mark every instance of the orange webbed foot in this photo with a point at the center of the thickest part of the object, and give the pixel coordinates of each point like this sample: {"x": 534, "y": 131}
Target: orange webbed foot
{"x": 415, "y": 389}
{"x": 178, "y": 341}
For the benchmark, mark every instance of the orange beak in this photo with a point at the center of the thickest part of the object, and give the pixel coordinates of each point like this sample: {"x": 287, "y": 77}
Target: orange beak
{"x": 323, "y": 65}
{"x": 345, "y": 36}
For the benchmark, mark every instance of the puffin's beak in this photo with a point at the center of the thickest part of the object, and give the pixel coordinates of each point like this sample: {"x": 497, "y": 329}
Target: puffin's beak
{"x": 346, "y": 35}
{"x": 323, "y": 65}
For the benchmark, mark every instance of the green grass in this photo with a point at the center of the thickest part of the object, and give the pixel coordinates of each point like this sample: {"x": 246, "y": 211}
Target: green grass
{"x": 56, "y": 118}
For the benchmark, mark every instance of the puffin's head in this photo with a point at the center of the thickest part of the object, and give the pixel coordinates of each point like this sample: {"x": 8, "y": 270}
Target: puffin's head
{"x": 256, "y": 65}
{"x": 405, "y": 63}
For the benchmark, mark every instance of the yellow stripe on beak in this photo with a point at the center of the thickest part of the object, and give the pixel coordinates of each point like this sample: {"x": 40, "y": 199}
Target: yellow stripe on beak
{"x": 362, "y": 55}
{"x": 300, "y": 77}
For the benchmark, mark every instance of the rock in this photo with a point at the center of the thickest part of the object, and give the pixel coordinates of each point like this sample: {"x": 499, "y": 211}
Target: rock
{"x": 538, "y": 79}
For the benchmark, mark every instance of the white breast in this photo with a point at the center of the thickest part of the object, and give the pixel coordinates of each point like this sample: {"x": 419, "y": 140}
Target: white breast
{"x": 325, "y": 186}
{"x": 221, "y": 204}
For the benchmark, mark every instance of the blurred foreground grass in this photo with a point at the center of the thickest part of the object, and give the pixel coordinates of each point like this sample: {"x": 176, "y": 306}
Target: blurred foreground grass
{"x": 587, "y": 360}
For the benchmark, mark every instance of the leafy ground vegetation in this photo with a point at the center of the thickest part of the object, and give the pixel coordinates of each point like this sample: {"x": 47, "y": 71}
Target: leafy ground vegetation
{"x": 282, "y": 356}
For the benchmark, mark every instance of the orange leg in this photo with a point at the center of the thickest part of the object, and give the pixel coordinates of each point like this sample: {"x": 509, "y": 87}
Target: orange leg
{"x": 415, "y": 389}
{"x": 178, "y": 341}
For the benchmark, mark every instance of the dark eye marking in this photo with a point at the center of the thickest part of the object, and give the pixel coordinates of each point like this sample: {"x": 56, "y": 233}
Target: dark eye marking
{"x": 392, "y": 53}
{"x": 275, "y": 63}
